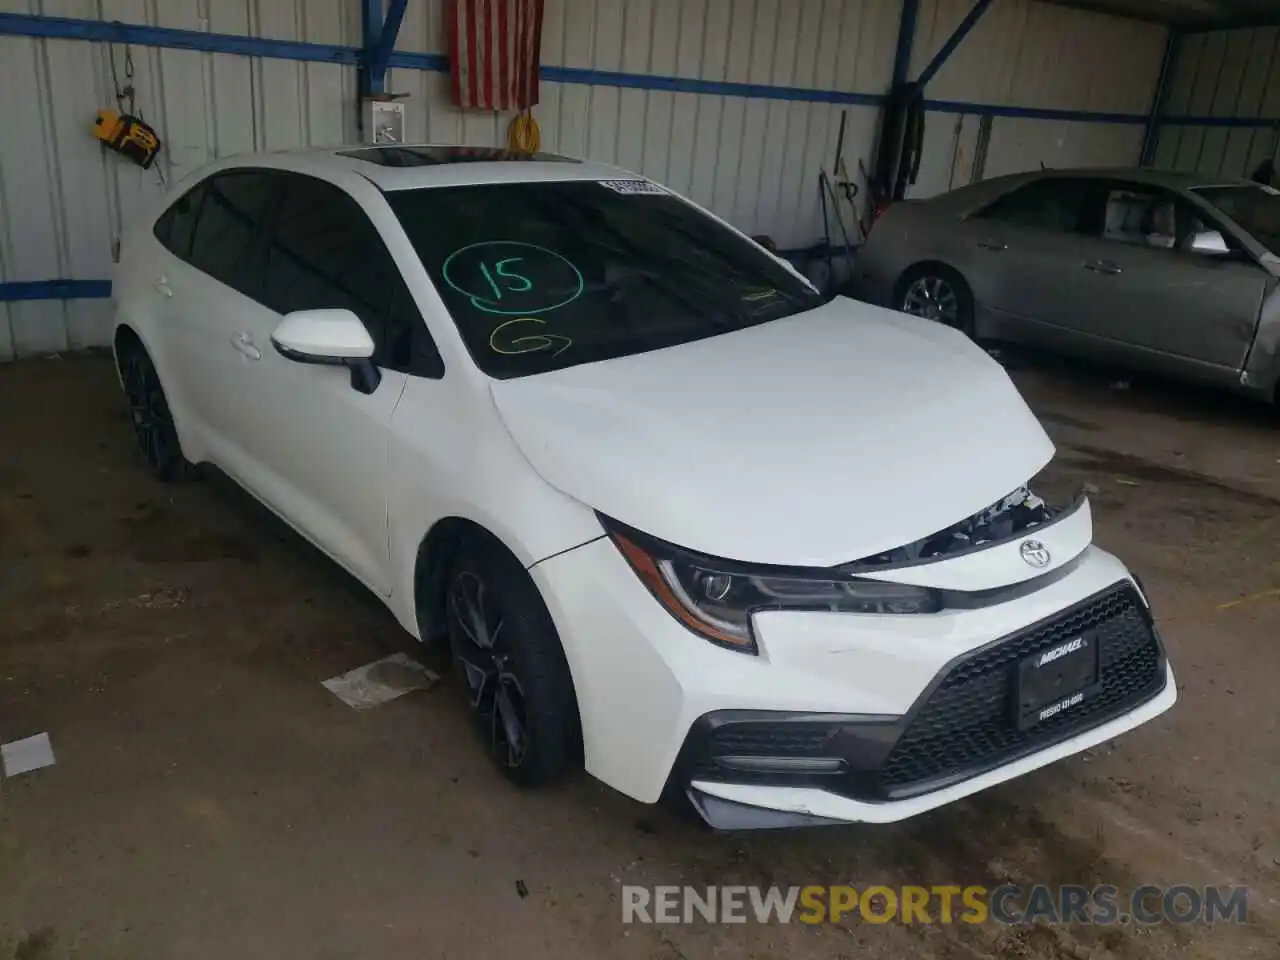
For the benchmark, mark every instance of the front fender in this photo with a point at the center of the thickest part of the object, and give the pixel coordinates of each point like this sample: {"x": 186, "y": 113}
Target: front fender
{"x": 450, "y": 456}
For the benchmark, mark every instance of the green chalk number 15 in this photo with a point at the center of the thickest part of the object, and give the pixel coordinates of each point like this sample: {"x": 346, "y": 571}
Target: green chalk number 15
{"x": 515, "y": 282}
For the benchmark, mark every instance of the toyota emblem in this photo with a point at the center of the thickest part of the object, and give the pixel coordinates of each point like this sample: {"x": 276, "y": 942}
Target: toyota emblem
{"x": 1035, "y": 553}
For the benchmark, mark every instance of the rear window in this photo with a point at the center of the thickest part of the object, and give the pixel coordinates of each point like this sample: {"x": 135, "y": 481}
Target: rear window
{"x": 177, "y": 225}
{"x": 540, "y": 276}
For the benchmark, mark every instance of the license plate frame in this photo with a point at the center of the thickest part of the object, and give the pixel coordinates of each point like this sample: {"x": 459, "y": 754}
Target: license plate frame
{"x": 1056, "y": 680}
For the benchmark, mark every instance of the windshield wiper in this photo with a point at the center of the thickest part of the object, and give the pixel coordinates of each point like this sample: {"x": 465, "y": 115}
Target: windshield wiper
{"x": 591, "y": 218}
{"x": 725, "y": 264}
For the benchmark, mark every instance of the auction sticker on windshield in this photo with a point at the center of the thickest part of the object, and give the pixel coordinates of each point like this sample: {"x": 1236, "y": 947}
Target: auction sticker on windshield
{"x": 632, "y": 186}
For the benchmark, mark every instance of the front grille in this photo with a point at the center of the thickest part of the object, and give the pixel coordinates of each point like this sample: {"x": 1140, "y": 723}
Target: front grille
{"x": 967, "y": 723}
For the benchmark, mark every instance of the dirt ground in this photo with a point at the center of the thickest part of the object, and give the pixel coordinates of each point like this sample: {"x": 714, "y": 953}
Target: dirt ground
{"x": 212, "y": 800}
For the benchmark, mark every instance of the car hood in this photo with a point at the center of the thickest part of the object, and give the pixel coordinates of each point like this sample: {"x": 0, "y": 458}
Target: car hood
{"x": 812, "y": 440}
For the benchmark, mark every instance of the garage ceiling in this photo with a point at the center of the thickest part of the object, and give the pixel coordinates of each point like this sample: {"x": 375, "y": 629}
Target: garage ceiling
{"x": 1184, "y": 12}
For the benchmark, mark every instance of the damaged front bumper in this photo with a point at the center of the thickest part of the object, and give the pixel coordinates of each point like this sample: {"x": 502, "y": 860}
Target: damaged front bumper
{"x": 965, "y": 728}
{"x": 742, "y": 806}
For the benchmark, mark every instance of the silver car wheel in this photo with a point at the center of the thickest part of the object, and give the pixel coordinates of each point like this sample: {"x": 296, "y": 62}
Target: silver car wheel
{"x": 931, "y": 297}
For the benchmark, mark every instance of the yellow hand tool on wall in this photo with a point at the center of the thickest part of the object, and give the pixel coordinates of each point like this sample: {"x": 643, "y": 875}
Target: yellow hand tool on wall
{"x": 127, "y": 136}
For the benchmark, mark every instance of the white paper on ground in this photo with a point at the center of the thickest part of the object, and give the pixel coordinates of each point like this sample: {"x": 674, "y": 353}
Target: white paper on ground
{"x": 380, "y": 681}
{"x": 23, "y": 756}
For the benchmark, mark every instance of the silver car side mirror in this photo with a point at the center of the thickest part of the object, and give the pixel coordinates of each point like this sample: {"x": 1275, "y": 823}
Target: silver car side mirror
{"x": 1208, "y": 242}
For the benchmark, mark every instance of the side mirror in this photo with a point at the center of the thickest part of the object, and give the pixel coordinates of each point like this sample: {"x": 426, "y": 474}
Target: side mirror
{"x": 1209, "y": 242}
{"x": 329, "y": 337}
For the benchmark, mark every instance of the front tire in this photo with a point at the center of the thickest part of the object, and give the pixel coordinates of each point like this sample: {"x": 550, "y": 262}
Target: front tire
{"x": 936, "y": 292}
{"x": 153, "y": 425}
{"x": 512, "y": 668}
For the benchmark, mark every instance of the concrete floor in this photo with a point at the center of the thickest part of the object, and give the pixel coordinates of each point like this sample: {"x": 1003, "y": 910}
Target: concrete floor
{"x": 211, "y": 799}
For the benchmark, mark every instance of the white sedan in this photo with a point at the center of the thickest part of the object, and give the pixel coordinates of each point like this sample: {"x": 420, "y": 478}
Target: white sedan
{"x": 677, "y": 516}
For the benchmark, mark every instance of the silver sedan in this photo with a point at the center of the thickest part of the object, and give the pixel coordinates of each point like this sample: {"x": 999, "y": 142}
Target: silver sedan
{"x": 1159, "y": 271}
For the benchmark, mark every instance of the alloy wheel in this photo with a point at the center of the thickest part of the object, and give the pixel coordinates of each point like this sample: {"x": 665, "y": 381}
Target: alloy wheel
{"x": 484, "y": 653}
{"x": 932, "y": 298}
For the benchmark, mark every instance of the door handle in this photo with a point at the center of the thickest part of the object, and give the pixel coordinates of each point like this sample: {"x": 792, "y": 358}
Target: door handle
{"x": 992, "y": 245}
{"x": 1102, "y": 266}
{"x": 243, "y": 343}
{"x": 162, "y": 286}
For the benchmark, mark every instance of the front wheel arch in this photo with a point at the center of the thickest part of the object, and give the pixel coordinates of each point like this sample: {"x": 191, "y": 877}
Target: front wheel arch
{"x": 966, "y": 322}
{"x": 455, "y": 541}
{"x": 431, "y": 573}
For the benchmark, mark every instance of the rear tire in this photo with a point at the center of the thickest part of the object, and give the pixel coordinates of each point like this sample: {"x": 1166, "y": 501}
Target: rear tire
{"x": 934, "y": 291}
{"x": 153, "y": 425}
{"x": 511, "y": 666}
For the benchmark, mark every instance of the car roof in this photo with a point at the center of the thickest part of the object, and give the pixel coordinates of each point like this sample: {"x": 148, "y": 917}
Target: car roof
{"x": 414, "y": 166}
{"x": 1173, "y": 179}
{"x": 963, "y": 199}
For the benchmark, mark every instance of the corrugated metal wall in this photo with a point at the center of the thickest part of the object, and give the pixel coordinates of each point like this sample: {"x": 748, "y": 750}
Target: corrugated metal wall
{"x": 1028, "y": 54}
{"x": 754, "y": 161}
{"x": 62, "y": 200}
{"x": 1231, "y": 74}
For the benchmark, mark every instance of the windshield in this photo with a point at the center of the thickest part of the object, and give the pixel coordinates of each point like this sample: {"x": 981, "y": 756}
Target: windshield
{"x": 1254, "y": 207}
{"x": 540, "y": 276}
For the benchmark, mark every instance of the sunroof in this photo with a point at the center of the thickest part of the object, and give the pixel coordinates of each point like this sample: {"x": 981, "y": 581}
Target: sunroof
{"x": 433, "y": 156}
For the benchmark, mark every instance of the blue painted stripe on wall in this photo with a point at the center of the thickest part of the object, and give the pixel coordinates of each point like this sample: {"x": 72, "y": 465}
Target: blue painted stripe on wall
{"x": 1261, "y": 19}
{"x": 1221, "y": 121}
{"x": 23, "y": 25}
{"x": 759, "y": 91}
{"x": 55, "y": 290}
{"x": 1034, "y": 113}
{"x": 435, "y": 62}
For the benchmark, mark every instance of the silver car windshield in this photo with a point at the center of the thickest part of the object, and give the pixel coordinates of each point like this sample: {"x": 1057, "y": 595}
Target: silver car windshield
{"x": 1254, "y": 207}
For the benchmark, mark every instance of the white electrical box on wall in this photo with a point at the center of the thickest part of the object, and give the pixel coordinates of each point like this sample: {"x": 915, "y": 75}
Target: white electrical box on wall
{"x": 383, "y": 121}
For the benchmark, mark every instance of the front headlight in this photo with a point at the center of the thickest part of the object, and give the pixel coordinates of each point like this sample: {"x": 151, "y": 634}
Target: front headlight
{"x": 715, "y": 598}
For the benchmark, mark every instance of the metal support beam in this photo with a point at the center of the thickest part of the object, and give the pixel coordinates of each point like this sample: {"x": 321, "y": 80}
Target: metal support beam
{"x": 370, "y": 22}
{"x": 906, "y": 35}
{"x": 380, "y": 53}
{"x": 948, "y": 48}
{"x": 1168, "y": 67}
{"x": 370, "y": 34}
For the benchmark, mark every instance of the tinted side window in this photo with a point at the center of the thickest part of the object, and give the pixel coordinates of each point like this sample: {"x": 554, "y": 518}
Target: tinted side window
{"x": 325, "y": 252}
{"x": 1059, "y": 206}
{"x": 230, "y": 219}
{"x": 1146, "y": 216}
{"x": 1140, "y": 216}
{"x": 177, "y": 225}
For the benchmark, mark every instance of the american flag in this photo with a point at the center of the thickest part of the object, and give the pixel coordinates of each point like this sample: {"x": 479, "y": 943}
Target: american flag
{"x": 493, "y": 52}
